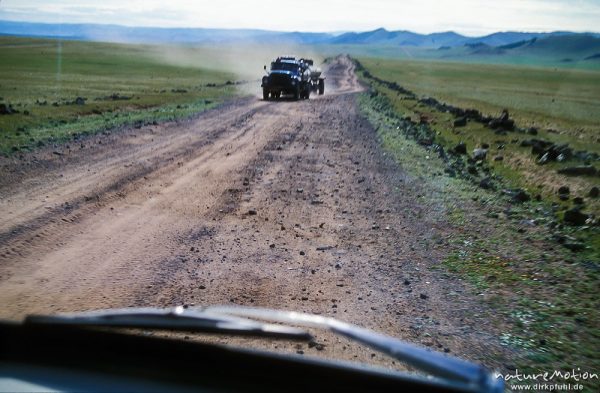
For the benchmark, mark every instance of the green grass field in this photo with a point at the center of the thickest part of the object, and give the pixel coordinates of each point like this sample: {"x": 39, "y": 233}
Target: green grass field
{"x": 563, "y": 105}
{"x": 565, "y": 100}
{"x": 120, "y": 84}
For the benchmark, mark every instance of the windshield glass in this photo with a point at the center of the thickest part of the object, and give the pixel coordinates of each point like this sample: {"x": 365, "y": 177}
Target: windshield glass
{"x": 285, "y": 66}
{"x": 433, "y": 175}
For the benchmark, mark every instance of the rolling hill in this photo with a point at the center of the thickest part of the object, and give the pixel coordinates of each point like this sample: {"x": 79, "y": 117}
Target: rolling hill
{"x": 553, "y": 49}
{"x": 580, "y": 45}
{"x": 401, "y": 38}
{"x": 381, "y": 36}
{"x": 562, "y": 47}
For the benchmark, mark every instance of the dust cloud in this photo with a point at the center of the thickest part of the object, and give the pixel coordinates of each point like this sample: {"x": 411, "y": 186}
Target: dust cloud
{"x": 245, "y": 61}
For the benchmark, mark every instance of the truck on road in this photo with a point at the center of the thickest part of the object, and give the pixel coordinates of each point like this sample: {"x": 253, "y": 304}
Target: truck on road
{"x": 291, "y": 76}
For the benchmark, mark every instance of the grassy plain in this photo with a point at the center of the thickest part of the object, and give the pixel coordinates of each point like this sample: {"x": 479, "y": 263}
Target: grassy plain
{"x": 563, "y": 105}
{"x": 119, "y": 84}
{"x": 566, "y": 100}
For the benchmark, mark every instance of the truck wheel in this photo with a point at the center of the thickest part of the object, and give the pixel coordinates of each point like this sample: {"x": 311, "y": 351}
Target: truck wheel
{"x": 265, "y": 94}
{"x": 297, "y": 93}
{"x": 307, "y": 94}
{"x": 321, "y": 86}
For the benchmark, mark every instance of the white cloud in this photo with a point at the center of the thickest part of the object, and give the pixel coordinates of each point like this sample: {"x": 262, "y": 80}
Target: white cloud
{"x": 465, "y": 16}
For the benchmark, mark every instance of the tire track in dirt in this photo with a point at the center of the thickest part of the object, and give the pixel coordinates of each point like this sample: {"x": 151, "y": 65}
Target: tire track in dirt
{"x": 100, "y": 244}
{"x": 108, "y": 172}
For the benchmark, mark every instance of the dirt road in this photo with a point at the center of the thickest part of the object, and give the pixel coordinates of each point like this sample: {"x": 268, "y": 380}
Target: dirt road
{"x": 284, "y": 204}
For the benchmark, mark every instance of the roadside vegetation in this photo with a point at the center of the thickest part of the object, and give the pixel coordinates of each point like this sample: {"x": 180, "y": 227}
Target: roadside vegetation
{"x": 516, "y": 147}
{"x": 52, "y": 91}
{"x": 561, "y": 103}
{"x": 517, "y": 240}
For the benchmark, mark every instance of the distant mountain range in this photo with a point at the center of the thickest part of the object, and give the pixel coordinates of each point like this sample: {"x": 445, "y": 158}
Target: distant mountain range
{"x": 563, "y": 48}
{"x": 497, "y": 43}
{"x": 155, "y": 35}
{"x": 434, "y": 40}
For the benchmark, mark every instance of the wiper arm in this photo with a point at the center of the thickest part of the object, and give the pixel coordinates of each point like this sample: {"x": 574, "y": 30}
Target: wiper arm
{"x": 233, "y": 320}
{"x": 435, "y": 363}
{"x": 178, "y": 318}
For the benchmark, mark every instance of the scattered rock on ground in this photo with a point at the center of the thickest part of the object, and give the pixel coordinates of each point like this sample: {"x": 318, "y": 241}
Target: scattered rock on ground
{"x": 7, "y": 109}
{"x": 586, "y": 170}
{"x": 520, "y": 196}
{"x": 558, "y": 153}
{"x": 574, "y": 246}
{"x": 564, "y": 190}
{"x": 538, "y": 146}
{"x": 117, "y": 97}
{"x": 461, "y": 148}
{"x": 486, "y": 183}
{"x": 479, "y": 154}
{"x": 563, "y": 193}
{"x": 325, "y": 248}
{"x": 504, "y": 122}
{"x": 460, "y": 122}
{"x": 575, "y": 217}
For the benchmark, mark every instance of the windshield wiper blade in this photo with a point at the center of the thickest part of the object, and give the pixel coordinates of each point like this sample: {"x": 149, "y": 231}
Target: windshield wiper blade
{"x": 178, "y": 318}
{"x": 435, "y": 363}
{"x": 235, "y": 320}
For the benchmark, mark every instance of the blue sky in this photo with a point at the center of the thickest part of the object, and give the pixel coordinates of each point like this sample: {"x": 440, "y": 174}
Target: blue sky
{"x": 470, "y": 17}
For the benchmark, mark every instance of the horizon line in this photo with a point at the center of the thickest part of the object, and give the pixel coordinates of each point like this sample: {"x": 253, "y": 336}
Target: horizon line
{"x": 338, "y": 32}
